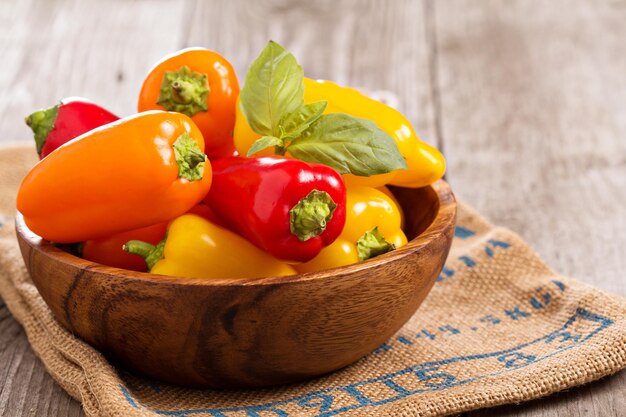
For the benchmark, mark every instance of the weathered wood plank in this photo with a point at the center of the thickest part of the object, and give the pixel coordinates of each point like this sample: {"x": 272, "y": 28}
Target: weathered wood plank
{"x": 26, "y": 388}
{"x": 534, "y": 123}
{"x": 533, "y": 119}
{"x": 97, "y": 50}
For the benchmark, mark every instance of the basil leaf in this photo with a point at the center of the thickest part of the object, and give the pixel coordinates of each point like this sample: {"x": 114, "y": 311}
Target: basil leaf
{"x": 263, "y": 143}
{"x": 274, "y": 87}
{"x": 293, "y": 124}
{"x": 349, "y": 145}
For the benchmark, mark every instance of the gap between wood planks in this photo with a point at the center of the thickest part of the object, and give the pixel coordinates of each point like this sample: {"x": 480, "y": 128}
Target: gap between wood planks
{"x": 430, "y": 29}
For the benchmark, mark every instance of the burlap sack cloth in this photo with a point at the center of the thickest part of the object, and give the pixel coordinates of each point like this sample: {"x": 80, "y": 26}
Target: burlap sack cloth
{"x": 498, "y": 327}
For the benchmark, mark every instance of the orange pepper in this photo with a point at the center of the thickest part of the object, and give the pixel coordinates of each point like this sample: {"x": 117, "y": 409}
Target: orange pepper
{"x": 142, "y": 170}
{"x": 201, "y": 84}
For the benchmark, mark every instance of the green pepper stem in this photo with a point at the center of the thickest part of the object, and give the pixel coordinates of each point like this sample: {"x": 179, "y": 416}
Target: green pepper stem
{"x": 195, "y": 157}
{"x": 280, "y": 150}
{"x": 42, "y": 122}
{"x": 372, "y": 244}
{"x": 184, "y": 91}
{"x": 189, "y": 157}
{"x": 151, "y": 253}
{"x": 308, "y": 218}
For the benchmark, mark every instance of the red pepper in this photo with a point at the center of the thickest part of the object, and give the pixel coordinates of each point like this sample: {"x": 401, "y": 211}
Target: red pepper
{"x": 203, "y": 211}
{"x": 289, "y": 208}
{"x": 108, "y": 250}
{"x": 65, "y": 121}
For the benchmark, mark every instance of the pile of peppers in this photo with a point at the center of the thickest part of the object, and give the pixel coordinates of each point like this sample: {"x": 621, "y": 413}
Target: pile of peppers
{"x": 287, "y": 175}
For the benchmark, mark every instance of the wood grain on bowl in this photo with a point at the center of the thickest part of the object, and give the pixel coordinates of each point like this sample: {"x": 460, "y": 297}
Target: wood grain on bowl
{"x": 247, "y": 333}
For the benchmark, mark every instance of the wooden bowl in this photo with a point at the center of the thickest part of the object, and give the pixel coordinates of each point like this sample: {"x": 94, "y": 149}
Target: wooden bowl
{"x": 247, "y": 333}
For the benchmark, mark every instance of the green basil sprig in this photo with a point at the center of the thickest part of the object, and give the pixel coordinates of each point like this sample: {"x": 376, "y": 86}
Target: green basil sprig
{"x": 274, "y": 87}
{"x": 272, "y": 101}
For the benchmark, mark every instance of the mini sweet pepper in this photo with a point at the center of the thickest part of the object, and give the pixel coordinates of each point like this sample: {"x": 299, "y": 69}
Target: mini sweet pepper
{"x": 373, "y": 227}
{"x": 289, "y": 208}
{"x": 197, "y": 248}
{"x": 109, "y": 250}
{"x": 201, "y": 84}
{"x": 138, "y": 171}
{"x": 272, "y": 102}
{"x": 65, "y": 121}
{"x": 425, "y": 163}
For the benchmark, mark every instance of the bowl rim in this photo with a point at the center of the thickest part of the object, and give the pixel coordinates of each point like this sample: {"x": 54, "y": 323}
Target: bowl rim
{"x": 444, "y": 219}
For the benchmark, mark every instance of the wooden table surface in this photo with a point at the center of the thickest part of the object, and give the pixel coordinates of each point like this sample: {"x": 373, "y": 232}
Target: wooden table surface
{"x": 527, "y": 99}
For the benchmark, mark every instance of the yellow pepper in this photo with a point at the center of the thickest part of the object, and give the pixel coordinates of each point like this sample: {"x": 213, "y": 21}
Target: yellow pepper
{"x": 367, "y": 209}
{"x": 425, "y": 163}
{"x": 393, "y": 198}
{"x": 197, "y": 248}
